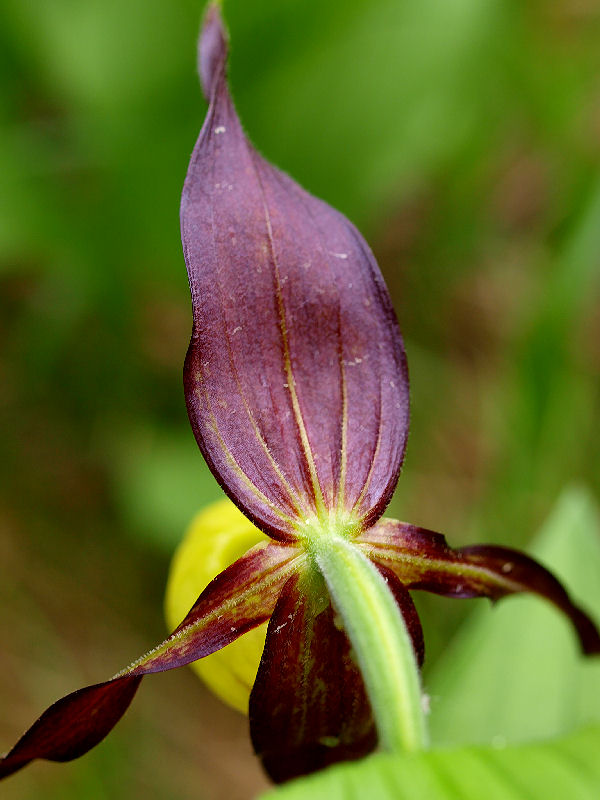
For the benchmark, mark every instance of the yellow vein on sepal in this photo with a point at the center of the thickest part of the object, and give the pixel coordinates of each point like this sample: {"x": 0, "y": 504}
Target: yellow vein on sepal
{"x": 308, "y": 455}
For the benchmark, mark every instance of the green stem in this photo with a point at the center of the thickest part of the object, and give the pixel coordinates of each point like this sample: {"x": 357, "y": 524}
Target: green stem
{"x": 380, "y": 640}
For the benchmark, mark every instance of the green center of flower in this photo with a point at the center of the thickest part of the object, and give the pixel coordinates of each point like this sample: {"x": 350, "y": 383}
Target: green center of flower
{"x": 314, "y": 532}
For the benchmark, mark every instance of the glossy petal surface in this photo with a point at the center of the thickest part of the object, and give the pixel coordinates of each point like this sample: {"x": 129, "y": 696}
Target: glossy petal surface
{"x": 295, "y": 378}
{"x": 422, "y": 559}
{"x": 241, "y": 597}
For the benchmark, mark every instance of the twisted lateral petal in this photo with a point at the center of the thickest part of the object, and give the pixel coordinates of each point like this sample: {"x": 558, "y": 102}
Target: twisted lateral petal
{"x": 73, "y": 725}
{"x": 422, "y": 559}
{"x": 238, "y": 599}
{"x": 308, "y": 707}
{"x": 295, "y": 377}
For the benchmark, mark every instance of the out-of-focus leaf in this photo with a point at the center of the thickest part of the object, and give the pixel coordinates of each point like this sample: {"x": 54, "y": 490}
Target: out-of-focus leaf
{"x": 160, "y": 482}
{"x": 514, "y": 672}
{"x": 546, "y": 771}
{"x": 408, "y": 67}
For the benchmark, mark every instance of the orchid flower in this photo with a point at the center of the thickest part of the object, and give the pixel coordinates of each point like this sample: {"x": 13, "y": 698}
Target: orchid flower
{"x": 297, "y": 391}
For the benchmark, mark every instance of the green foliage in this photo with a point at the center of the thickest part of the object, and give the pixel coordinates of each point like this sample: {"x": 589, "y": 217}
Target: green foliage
{"x": 513, "y": 672}
{"x": 160, "y": 482}
{"x": 565, "y": 768}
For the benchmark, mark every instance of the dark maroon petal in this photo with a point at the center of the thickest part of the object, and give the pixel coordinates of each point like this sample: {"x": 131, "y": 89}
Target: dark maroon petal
{"x": 422, "y": 559}
{"x": 238, "y": 599}
{"x": 295, "y": 378}
{"x": 308, "y": 707}
{"x": 72, "y": 725}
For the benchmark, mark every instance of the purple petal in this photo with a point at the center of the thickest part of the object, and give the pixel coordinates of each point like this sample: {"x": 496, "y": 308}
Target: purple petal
{"x": 422, "y": 559}
{"x": 72, "y": 725}
{"x": 238, "y": 599}
{"x": 308, "y": 707}
{"x": 295, "y": 378}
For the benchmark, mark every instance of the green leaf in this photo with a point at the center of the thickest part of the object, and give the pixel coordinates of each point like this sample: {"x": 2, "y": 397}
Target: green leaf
{"x": 514, "y": 672}
{"x": 546, "y": 771}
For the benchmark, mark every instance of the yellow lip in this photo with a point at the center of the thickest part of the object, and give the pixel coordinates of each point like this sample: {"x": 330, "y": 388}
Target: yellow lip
{"x": 216, "y": 537}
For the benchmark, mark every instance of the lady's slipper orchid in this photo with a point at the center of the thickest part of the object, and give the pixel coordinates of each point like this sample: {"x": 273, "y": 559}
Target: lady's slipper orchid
{"x": 297, "y": 392}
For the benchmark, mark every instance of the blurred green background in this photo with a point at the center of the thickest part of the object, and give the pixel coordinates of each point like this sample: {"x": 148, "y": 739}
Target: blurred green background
{"x": 462, "y": 136}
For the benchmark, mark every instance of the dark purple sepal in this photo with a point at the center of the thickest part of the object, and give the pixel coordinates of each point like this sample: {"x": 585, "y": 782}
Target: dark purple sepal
{"x": 308, "y": 707}
{"x": 422, "y": 559}
{"x": 212, "y": 50}
{"x": 295, "y": 378}
{"x": 238, "y": 599}
{"x": 72, "y": 725}
{"x": 241, "y": 597}
{"x": 532, "y": 577}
